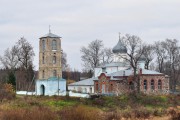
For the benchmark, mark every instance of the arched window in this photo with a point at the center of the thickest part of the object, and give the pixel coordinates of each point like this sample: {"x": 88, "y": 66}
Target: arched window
{"x": 54, "y": 60}
{"x": 131, "y": 86}
{"x": 43, "y": 45}
{"x": 152, "y": 84}
{"x": 159, "y": 85}
{"x": 145, "y": 84}
{"x": 54, "y": 45}
{"x": 54, "y": 73}
{"x": 43, "y": 74}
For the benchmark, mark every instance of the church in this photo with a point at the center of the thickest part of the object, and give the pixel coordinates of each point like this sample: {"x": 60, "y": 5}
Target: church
{"x": 116, "y": 77}
{"x": 50, "y": 81}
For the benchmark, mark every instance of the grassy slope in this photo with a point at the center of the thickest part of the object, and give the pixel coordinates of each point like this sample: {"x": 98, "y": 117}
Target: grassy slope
{"x": 133, "y": 106}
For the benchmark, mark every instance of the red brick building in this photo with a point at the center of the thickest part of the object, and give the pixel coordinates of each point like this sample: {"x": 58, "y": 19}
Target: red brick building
{"x": 121, "y": 82}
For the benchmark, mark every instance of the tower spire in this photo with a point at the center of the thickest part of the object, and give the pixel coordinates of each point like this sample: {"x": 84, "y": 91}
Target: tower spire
{"x": 49, "y": 29}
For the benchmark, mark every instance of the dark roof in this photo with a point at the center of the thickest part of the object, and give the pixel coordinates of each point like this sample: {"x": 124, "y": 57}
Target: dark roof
{"x": 119, "y": 48}
{"x": 50, "y": 35}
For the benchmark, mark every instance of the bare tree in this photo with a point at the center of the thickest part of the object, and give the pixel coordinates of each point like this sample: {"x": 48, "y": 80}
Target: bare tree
{"x": 25, "y": 56}
{"x": 18, "y": 62}
{"x": 149, "y": 54}
{"x": 92, "y": 54}
{"x": 121, "y": 87}
{"x": 173, "y": 60}
{"x": 168, "y": 59}
{"x": 10, "y": 63}
{"x": 9, "y": 59}
{"x": 64, "y": 61}
{"x": 161, "y": 55}
{"x": 152, "y": 66}
{"x": 25, "y": 53}
{"x": 95, "y": 54}
{"x": 107, "y": 55}
{"x": 135, "y": 50}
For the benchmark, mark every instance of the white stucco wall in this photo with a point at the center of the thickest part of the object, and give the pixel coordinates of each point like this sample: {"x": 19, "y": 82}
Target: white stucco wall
{"x": 25, "y": 93}
{"x": 71, "y": 94}
{"x": 111, "y": 69}
{"x": 122, "y": 68}
{"x": 83, "y": 89}
{"x": 51, "y": 87}
{"x": 141, "y": 64}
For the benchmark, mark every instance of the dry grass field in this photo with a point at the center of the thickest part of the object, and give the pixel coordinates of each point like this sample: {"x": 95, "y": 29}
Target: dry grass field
{"x": 124, "y": 107}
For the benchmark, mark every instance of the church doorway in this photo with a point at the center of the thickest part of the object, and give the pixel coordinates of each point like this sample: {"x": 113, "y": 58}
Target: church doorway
{"x": 42, "y": 89}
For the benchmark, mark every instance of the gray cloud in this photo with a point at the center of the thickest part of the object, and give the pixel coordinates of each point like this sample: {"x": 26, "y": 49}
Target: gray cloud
{"x": 79, "y": 22}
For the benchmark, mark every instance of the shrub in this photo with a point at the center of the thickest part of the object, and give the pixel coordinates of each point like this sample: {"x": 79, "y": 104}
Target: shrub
{"x": 99, "y": 101}
{"x": 127, "y": 114}
{"x": 60, "y": 103}
{"x": 37, "y": 113}
{"x": 159, "y": 112}
{"x": 80, "y": 113}
{"x": 141, "y": 113}
{"x": 7, "y": 92}
{"x": 112, "y": 116}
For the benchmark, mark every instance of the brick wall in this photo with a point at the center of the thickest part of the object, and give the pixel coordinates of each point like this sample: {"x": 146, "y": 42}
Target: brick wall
{"x": 164, "y": 86}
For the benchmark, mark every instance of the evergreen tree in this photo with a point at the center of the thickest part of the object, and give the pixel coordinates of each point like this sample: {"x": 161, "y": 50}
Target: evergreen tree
{"x": 11, "y": 79}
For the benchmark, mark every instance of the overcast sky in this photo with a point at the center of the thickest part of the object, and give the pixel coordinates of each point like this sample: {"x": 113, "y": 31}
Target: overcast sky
{"x": 79, "y": 22}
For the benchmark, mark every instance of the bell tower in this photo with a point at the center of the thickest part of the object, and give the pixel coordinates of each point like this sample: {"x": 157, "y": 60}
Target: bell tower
{"x": 50, "y": 56}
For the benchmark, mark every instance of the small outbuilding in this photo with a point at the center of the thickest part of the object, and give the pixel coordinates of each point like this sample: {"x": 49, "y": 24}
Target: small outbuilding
{"x": 51, "y": 86}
